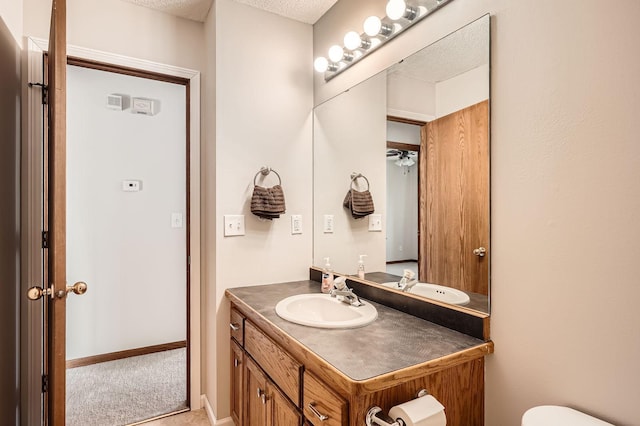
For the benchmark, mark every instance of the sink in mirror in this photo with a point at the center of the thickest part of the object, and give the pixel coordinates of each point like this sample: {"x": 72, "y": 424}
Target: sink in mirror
{"x": 419, "y": 133}
{"x": 324, "y": 311}
{"x": 434, "y": 291}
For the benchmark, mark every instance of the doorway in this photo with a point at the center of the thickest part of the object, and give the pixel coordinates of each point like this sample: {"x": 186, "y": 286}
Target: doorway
{"x": 403, "y": 193}
{"x": 128, "y": 236}
{"x": 37, "y": 389}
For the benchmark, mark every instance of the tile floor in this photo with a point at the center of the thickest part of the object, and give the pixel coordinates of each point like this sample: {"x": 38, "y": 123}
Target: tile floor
{"x": 190, "y": 418}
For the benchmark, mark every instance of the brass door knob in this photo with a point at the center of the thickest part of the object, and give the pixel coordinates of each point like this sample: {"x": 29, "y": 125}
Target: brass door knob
{"x": 78, "y": 288}
{"x": 480, "y": 251}
{"x": 35, "y": 293}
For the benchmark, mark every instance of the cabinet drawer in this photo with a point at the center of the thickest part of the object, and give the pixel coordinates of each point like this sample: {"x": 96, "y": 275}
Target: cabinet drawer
{"x": 283, "y": 370}
{"x": 322, "y": 407}
{"x": 237, "y": 326}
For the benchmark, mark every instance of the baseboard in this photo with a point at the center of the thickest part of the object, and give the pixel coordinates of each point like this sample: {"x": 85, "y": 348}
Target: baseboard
{"x": 95, "y": 359}
{"x": 227, "y": 421}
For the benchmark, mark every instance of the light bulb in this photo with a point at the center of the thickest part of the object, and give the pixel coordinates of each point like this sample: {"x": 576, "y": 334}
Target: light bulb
{"x": 336, "y": 53}
{"x": 352, "y": 40}
{"x": 372, "y": 26}
{"x": 395, "y": 9}
{"x": 321, "y": 64}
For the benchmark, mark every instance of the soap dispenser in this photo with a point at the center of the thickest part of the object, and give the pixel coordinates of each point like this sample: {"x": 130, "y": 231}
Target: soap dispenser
{"x": 361, "y": 266}
{"x": 327, "y": 276}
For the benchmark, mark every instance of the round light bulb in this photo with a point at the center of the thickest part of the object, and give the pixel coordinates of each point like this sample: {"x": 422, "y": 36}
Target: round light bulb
{"x": 395, "y": 9}
{"x": 372, "y": 26}
{"x": 336, "y": 53}
{"x": 321, "y": 64}
{"x": 352, "y": 40}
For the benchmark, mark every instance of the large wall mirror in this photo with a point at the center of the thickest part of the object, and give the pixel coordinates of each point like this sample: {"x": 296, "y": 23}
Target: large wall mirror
{"x": 416, "y": 136}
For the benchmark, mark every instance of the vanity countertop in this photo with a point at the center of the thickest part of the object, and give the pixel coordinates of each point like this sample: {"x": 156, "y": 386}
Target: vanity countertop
{"x": 395, "y": 341}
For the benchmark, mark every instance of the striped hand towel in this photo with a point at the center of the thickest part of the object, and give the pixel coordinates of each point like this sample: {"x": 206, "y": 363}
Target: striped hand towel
{"x": 268, "y": 203}
{"x": 360, "y": 203}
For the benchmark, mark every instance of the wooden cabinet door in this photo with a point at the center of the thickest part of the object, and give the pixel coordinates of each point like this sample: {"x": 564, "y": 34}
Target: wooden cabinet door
{"x": 255, "y": 394}
{"x": 281, "y": 411}
{"x": 237, "y": 376}
{"x": 454, "y": 206}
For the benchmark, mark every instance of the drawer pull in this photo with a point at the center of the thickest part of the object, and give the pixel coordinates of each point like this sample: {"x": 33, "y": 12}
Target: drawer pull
{"x": 312, "y": 407}
{"x": 262, "y": 395}
{"x": 234, "y": 326}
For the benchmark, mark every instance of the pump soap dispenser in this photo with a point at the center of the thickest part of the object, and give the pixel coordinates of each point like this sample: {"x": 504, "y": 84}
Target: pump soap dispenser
{"x": 327, "y": 277}
{"x": 361, "y": 266}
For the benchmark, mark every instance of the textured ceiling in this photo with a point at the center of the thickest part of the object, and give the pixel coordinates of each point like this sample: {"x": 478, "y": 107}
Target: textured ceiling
{"x": 459, "y": 52}
{"x": 308, "y": 11}
{"x": 190, "y": 9}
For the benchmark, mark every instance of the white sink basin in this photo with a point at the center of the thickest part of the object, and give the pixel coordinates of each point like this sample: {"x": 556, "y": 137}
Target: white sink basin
{"x": 435, "y": 291}
{"x": 323, "y": 311}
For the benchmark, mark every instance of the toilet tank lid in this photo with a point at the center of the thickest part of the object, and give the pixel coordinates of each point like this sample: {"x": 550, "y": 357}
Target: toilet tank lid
{"x": 553, "y": 415}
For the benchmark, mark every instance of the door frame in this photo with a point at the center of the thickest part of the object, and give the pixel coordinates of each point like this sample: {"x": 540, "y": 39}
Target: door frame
{"x": 31, "y": 328}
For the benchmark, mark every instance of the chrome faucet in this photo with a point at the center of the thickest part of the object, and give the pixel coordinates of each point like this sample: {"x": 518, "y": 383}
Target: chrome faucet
{"x": 408, "y": 285}
{"x": 408, "y": 281}
{"x": 347, "y": 295}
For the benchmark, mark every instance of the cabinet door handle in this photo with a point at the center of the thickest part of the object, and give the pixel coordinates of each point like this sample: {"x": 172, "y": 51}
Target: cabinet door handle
{"x": 262, "y": 396}
{"x": 312, "y": 407}
{"x": 236, "y": 362}
{"x": 234, "y": 326}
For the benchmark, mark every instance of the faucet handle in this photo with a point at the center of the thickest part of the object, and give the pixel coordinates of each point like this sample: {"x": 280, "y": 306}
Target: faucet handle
{"x": 339, "y": 283}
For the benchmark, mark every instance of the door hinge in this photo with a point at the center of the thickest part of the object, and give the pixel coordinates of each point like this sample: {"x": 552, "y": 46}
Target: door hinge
{"x": 189, "y": 260}
{"x": 45, "y": 383}
{"x": 45, "y": 239}
{"x": 45, "y": 90}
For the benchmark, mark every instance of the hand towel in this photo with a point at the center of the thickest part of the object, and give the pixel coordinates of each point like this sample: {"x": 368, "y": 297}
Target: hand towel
{"x": 360, "y": 203}
{"x": 268, "y": 203}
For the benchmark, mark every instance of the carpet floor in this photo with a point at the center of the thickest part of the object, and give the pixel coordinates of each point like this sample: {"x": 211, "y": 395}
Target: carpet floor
{"x": 128, "y": 390}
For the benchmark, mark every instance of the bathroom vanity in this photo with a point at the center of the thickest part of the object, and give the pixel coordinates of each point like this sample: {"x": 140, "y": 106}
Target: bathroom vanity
{"x": 288, "y": 374}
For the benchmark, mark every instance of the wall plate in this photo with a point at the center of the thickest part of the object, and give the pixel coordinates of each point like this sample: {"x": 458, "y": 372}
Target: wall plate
{"x": 375, "y": 222}
{"x": 233, "y": 225}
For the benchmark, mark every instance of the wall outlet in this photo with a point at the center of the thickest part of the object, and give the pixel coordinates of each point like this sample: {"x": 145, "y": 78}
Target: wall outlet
{"x": 233, "y": 225}
{"x": 296, "y": 224}
{"x": 375, "y": 222}
{"x": 328, "y": 224}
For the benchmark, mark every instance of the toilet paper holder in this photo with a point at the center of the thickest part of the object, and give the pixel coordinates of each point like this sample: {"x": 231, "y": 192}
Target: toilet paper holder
{"x": 375, "y": 416}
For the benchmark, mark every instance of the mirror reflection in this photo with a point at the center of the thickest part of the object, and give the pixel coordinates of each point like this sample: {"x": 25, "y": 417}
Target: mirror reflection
{"x": 418, "y": 133}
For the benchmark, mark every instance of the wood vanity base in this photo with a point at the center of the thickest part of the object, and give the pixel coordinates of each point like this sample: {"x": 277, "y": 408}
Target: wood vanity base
{"x": 294, "y": 386}
{"x": 460, "y": 389}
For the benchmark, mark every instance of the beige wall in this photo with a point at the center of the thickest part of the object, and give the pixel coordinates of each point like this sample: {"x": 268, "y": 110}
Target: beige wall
{"x": 120, "y": 27}
{"x": 565, "y": 206}
{"x": 263, "y": 106}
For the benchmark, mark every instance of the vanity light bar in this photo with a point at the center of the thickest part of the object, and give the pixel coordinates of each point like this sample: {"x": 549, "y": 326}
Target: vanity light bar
{"x": 400, "y": 16}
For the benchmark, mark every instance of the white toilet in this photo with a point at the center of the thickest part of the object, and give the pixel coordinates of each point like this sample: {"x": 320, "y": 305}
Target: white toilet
{"x": 553, "y": 415}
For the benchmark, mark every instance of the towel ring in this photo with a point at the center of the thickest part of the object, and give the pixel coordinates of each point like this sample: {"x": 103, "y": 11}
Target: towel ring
{"x": 264, "y": 171}
{"x": 355, "y": 176}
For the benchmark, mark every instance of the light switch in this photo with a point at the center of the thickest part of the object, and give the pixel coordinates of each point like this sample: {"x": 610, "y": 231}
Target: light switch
{"x": 233, "y": 225}
{"x": 296, "y": 224}
{"x": 176, "y": 220}
{"x": 328, "y": 224}
{"x": 375, "y": 222}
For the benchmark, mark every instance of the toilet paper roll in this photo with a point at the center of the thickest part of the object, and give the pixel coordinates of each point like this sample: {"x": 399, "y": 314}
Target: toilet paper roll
{"x": 423, "y": 411}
